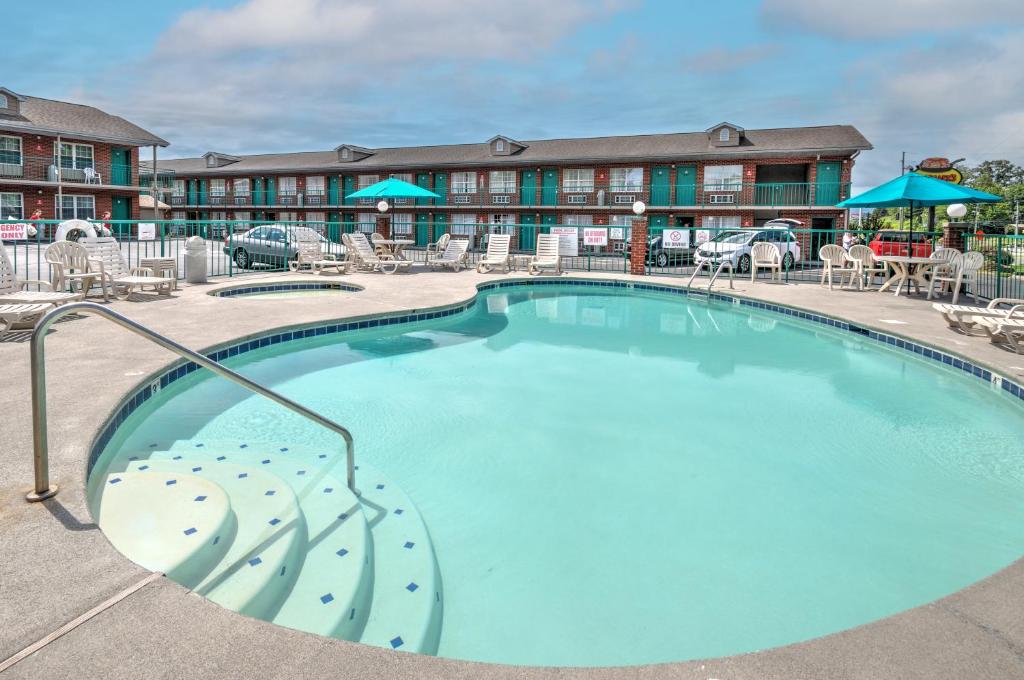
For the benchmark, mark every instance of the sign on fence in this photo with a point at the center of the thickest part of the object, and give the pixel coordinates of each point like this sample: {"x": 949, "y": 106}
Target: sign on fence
{"x": 701, "y": 236}
{"x": 13, "y": 231}
{"x": 675, "y": 238}
{"x": 568, "y": 245}
{"x": 617, "y": 233}
{"x": 595, "y": 236}
{"x": 147, "y": 231}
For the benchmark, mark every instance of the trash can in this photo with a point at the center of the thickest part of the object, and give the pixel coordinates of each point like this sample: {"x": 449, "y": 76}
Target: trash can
{"x": 195, "y": 260}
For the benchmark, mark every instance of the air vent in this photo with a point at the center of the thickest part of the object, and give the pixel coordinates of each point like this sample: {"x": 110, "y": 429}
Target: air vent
{"x": 722, "y": 198}
{"x": 462, "y": 199}
{"x": 624, "y": 199}
{"x": 576, "y": 199}
{"x": 501, "y": 200}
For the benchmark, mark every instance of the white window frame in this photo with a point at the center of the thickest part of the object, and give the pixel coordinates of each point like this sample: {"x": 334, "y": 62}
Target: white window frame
{"x": 241, "y": 186}
{"x": 401, "y": 223}
{"x": 500, "y": 223}
{"x": 179, "y": 188}
{"x": 20, "y": 151}
{"x": 723, "y": 134}
{"x": 499, "y": 145}
{"x": 287, "y": 185}
{"x": 502, "y": 181}
{"x": 287, "y": 216}
{"x": 363, "y": 181}
{"x": 316, "y": 218}
{"x": 317, "y": 185}
{"x": 243, "y": 216}
{"x": 727, "y": 177}
{"x": 218, "y": 187}
{"x": 180, "y": 215}
{"x": 75, "y": 150}
{"x": 76, "y": 211}
{"x": 578, "y": 220}
{"x": 21, "y": 205}
{"x": 464, "y": 225}
{"x": 367, "y": 222}
{"x": 626, "y": 180}
{"x": 462, "y": 182}
{"x": 4, "y": 103}
{"x": 717, "y": 223}
{"x": 578, "y": 180}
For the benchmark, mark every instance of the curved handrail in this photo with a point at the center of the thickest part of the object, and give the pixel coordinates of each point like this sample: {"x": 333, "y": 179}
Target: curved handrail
{"x": 43, "y": 488}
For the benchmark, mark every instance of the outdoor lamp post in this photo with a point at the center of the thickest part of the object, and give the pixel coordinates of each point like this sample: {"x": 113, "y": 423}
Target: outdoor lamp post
{"x": 957, "y": 211}
{"x": 639, "y": 208}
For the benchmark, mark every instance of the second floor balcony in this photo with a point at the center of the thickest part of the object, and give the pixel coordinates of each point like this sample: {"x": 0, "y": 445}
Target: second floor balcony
{"x": 17, "y": 167}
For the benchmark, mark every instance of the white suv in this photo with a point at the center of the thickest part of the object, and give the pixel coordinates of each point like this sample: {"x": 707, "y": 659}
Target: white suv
{"x": 735, "y": 244}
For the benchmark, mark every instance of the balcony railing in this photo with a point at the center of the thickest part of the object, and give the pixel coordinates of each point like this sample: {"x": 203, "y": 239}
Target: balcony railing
{"x": 727, "y": 195}
{"x": 15, "y": 167}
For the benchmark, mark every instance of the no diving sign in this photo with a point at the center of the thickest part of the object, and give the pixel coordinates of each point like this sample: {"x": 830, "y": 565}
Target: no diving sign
{"x": 675, "y": 238}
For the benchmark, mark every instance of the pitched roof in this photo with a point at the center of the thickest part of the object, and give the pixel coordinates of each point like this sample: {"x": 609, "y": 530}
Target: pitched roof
{"x": 837, "y": 139}
{"x": 48, "y": 116}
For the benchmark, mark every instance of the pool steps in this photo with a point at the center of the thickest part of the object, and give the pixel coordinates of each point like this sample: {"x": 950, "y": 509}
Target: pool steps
{"x": 359, "y": 569}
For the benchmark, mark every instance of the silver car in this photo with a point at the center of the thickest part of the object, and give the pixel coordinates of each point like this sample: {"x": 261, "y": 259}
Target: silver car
{"x": 274, "y": 245}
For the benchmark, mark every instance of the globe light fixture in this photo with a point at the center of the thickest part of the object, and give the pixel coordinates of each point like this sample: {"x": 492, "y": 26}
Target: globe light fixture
{"x": 383, "y": 206}
{"x": 639, "y": 208}
{"x": 957, "y": 210}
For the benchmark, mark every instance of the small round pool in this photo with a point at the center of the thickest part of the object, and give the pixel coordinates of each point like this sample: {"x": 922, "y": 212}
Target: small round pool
{"x": 287, "y": 289}
{"x": 604, "y": 476}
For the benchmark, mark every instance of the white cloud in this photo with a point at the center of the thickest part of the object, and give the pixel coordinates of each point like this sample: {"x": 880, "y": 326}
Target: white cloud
{"x": 724, "y": 59}
{"x": 887, "y": 18}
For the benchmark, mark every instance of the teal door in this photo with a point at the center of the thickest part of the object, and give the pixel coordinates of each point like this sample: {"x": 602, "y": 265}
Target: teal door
{"x": 193, "y": 196}
{"x": 202, "y": 192}
{"x": 686, "y": 185}
{"x": 423, "y": 181}
{"x": 333, "y": 228}
{"x": 120, "y": 209}
{"x": 348, "y": 186}
{"x": 527, "y": 231}
{"x": 441, "y": 189}
{"x": 528, "y": 188}
{"x": 655, "y": 224}
{"x": 826, "y": 185}
{"x": 422, "y": 229}
{"x": 549, "y": 187}
{"x": 271, "y": 192}
{"x": 120, "y": 166}
{"x": 659, "y": 185}
{"x": 548, "y": 221}
{"x": 440, "y": 221}
{"x": 333, "y": 191}
{"x": 348, "y": 223}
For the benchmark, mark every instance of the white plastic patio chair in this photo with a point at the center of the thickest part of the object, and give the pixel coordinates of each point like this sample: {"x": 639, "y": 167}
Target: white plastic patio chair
{"x": 837, "y": 261}
{"x": 960, "y": 317}
{"x": 442, "y": 243}
{"x": 961, "y": 269}
{"x": 21, "y": 317}
{"x": 15, "y": 291}
{"x": 70, "y": 265}
{"x": 116, "y": 276}
{"x": 869, "y": 264}
{"x": 765, "y": 256}
{"x": 310, "y": 254}
{"x": 454, "y": 256}
{"x": 497, "y": 254}
{"x": 547, "y": 256}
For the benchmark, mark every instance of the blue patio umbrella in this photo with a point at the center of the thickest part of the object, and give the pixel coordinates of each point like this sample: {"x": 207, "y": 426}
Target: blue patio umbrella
{"x": 393, "y": 188}
{"x": 913, "y": 190}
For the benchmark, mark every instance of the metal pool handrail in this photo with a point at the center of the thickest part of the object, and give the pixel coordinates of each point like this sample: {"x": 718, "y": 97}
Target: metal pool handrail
{"x": 43, "y": 488}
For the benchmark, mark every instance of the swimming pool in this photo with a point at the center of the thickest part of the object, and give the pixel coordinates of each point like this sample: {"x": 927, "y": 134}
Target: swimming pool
{"x": 287, "y": 289}
{"x": 599, "y": 477}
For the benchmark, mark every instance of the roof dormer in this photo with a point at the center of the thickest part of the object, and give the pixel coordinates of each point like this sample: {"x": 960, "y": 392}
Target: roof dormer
{"x": 347, "y": 153}
{"x": 10, "y": 102}
{"x": 504, "y": 146}
{"x": 219, "y": 160}
{"x": 725, "y": 134}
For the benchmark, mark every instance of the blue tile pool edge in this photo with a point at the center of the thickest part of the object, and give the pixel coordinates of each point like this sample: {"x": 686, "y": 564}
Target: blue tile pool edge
{"x": 231, "y": 348}
{"x": 256, "y": 289}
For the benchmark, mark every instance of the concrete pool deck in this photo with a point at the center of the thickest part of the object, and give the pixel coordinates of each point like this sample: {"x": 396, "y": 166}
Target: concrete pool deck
{"x": 55, "y": 564}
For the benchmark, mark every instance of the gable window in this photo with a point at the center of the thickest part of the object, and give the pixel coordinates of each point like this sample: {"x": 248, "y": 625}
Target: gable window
{"x": 627, "y": 179}
{"x": 4, "y": 104}
{"x": 577, "y": 180}
{"x": 463, "y": 182}
{"x": 75, "y": 207}
{"x": 503, "y": 181}
{"x": 76, "y": 156}
{"x": 499, "y": 145}
{"x": 11, "y": 207}
{"x": 723, "y": 135}
{"x": 723, "y": 177}
{"x": 10, "y": 156}
{"x": 211, "y": 161}
{"x": 345, "y": 154}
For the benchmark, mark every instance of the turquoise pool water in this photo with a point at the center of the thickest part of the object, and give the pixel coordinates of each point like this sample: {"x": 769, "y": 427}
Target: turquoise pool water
{"x": 620, "y": 478}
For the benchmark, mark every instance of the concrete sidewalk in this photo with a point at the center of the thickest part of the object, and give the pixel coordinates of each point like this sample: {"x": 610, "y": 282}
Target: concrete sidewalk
{"x": 55, "y": 564}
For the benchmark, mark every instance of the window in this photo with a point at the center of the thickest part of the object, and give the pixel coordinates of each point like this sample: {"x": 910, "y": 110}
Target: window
{"x": 286, "y": 186}
{"x": 503, "y": 181}
{"x": 286, "y": 216}
{"x": 719, "y": 222}
{"x": 402, "y": 176}
{"x": 11, "y": 207}
{"x": 314, "y": 186}
{"x": 179, "y": 215}
{"x": 463, "y": 224}
{"x": 723, "y": 135}
{"x": 10, "y": 155}
{"x": 241, "y": 187}
{"x": 577, "y": 180}
{"x": 3, "y": 102}
{"x": 624, "y": 222}
{"x": 210, "y": 161}
{"x": 344, "y": 154}
{"x": 578, "y": 220}
{"x": 499, "y": 145}
{"x": 367, "y": 222}
{"x": 316, "y": 219}
{"x": 723, "y": 177}
{"x": 401, "y": 223}
{"x": 76, "y": 156}
{"x": 364, "y": 181}
{"x": 500, "y": 224}
{"x": 627, "y": 179}
{"x": 463, "y": 182}
{"x": 241, "y": 216}
{"x": 218, "y": 187}
{"x": 75, "y": 207}
{"x": 179, "y": 188}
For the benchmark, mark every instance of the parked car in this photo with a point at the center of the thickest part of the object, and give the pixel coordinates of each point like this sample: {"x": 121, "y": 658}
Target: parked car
{"x": 659, "y": 256}
{"x": 274, "y": 245}
{"x": 895, "y": 242}
{"x": 735, "y": 245}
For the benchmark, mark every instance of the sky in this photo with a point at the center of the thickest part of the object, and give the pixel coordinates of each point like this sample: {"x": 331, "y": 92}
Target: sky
{"x": 928, "y": 77}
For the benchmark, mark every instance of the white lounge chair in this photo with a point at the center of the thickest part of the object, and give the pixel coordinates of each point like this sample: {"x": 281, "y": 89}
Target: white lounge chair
{"x": 14, "y": 291}
{"x": 959, "y": 317}
{"x": 116, "y": 276}
{"x": 837, "y": 261}
{"x": 497, "y": 254}
{"x": 869, "y": 264}
{"x": 547, "y": 256}
{"x": 962, "y": 268}
{"x": 765, "y": 255}
{"x": 364, "y": 257}
{"x": 21, "y": 317}
{"x": 310, "y": 254}
{"x": 1006, "y": 331}
{"x": 453, "y": 257}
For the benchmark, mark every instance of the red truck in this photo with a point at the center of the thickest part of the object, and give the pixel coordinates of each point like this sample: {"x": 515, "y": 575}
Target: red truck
{"x": 895, "y": 242}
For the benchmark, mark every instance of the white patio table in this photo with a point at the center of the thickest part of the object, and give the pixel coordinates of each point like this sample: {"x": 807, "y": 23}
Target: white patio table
{"x": 397, "y": 245}
{"x": 906, "y": 270}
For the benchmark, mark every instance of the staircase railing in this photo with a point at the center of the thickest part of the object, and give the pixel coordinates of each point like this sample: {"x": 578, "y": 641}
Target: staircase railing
{"x": 43, "y": 488}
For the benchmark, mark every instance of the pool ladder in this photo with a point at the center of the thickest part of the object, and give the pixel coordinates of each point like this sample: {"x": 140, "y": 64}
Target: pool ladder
{"x": 43, "y": 488}
{"x": 714, "y": 275}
